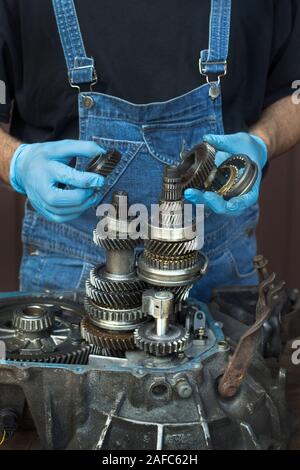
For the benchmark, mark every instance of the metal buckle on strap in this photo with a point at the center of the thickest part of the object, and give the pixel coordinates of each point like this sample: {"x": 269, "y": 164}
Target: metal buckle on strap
{"x": 202, "y": 65}
{"x": 214, "y": 84}
{"x": 92, "y": 84}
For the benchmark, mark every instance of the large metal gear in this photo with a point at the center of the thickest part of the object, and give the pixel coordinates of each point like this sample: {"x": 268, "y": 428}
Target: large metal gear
{"x": 171, "y": 249}
{"x": 99, "y": 279}
{"x": 115, "y": 341}
{"x": 116, "y": 243}
{"x": 43, "y": 330}
{"x": 171, "y": 262}
{"x": 198, "y": 167}
{"x": 122, "y": 316}
{"x": 115, "y": 299}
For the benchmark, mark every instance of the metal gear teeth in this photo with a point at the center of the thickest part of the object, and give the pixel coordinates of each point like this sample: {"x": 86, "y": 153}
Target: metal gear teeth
{"x": 31, "y": 324}
{"x": 116, "y": 243}
{"x": 161, "y": 348}
{"x": 108, "y": 285}
{"x": 104, "y": 339}
{"x": 114, "y": 299}
{"x": 109, "y": 165}
{"x": 105, "y": 314}
{"x": 180, "y": 293}
{"x": 167, "y": 263}
{"x": 78, "y": 356}
{"x": 171, "y": 248}
{"x": 171, "y": 206}
{"x": 201, "y": 176}
{"x": 172, "y": 192}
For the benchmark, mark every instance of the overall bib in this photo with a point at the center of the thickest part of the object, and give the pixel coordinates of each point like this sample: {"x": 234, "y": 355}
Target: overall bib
{"x": 150, "y": 136}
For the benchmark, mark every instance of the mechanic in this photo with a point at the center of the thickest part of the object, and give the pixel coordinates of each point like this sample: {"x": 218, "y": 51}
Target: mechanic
{"x": 125, "y": 75}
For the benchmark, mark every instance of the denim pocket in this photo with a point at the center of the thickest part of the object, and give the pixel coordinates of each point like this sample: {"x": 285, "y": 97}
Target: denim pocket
{"x": 44, "y": 271}
{"x": 165, "y": 141}
{"x": 128, "y": 151}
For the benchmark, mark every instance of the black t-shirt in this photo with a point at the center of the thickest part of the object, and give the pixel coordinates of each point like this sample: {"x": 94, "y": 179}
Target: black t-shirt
{"x": 144, "y": 51}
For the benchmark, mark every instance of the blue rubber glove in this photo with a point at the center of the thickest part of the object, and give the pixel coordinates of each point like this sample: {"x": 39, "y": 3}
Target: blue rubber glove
{"x": 36, "y": 170}
{"x": 227, "y": 145}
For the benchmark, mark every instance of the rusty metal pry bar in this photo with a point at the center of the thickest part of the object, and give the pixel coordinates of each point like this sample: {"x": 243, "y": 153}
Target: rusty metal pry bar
{"x": 248, "y": 344}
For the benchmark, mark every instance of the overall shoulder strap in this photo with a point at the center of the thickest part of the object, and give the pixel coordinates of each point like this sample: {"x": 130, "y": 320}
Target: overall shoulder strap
{"x": 81, "y": 69}
{"x": 213, "y": 61}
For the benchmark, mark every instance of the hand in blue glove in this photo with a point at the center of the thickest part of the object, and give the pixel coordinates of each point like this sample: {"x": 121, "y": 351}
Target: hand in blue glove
{"x": 227, "y": 145}
{"x": 37, "y": 169}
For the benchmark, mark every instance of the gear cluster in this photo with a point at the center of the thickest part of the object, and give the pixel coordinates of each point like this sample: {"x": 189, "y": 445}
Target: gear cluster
{"x": 113, "y": 291}
{"x": 45, "y": 330}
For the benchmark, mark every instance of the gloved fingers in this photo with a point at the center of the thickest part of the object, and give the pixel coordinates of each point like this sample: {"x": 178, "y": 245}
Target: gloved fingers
{"x": 67, "y": 210}
{"x": 224, "y": 143}
{"x": 219, "y": 205}
{"x": 221, "y": 157}
{"x": 77, "y": 179}
{"x": 66, "y": 149}
{"x": 65, "y": 213}
{"x": 57, "y": 197}
{"x": 211, "y": 200}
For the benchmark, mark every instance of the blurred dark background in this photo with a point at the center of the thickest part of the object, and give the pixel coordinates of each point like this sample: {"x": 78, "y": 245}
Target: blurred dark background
{"x": 278, "y": 231}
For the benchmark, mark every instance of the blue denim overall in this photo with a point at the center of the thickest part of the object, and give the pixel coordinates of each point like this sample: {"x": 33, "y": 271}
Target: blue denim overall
{"x": 150, "y": 136}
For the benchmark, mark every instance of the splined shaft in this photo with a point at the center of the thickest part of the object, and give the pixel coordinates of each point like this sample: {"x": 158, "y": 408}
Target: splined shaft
{"x": 170, "y": 260}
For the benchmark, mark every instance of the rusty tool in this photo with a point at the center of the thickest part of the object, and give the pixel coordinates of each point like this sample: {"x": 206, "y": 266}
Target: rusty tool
{"x": 237, "y": 367}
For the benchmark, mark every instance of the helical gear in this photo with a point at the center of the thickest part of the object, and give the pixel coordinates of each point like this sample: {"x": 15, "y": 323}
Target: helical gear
{"x": 198, "y": 167}
{"x": 171, "y": 248}
{"x": 116, "y": 243}
{"x": 113, "y": 291}
{"x": 108, "y": 340}
{"x": 121, "y": 299}
{"x": 101, "y": 282}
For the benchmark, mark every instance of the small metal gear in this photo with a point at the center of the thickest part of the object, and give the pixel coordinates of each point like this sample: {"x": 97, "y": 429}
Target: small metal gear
{"x": 226, "y": 178}
{"x": 171, "y": 263}
{"x": 104, "y": 164}
{"x": 108, "y": 340}
{"x": 174, "y": 342}
{"x": 115, "y": 243}
{"x": 172, "y": 186}
{"x": 98, "y": 280}
{"x": 34, "y": 318}
{"x": 247, "y": 172}
{"x": 171, "y": 248}
{"x": 110, "y": 315}
{"x": 113, "y": 299}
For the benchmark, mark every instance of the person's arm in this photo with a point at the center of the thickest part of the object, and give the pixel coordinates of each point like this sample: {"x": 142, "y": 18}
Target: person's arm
{"x": 8, "y": 146}
{"x": 279, "y": 127}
